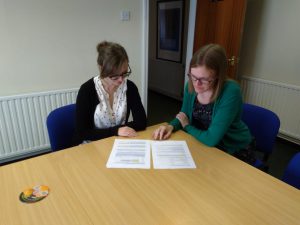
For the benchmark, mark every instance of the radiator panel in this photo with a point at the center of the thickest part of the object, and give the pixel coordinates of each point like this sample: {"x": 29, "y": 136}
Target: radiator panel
{"x": 283, "y": 99}
{"x": 23, "y": 121}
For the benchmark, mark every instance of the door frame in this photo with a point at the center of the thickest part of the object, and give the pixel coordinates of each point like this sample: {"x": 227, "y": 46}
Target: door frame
{"x": 145, "y": 43}
{"x": 190, "y": 37}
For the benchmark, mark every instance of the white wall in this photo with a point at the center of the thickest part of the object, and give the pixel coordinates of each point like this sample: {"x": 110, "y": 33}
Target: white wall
{"x": 270, "y": 47}
{"x": 51, "y": 45}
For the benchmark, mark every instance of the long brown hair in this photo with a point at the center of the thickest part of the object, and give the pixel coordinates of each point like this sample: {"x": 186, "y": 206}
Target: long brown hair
{"x": 212, "y": 56}
{"x": 111, "y": 58}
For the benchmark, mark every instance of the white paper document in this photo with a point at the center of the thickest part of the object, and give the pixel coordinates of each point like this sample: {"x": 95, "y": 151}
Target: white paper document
{"x": 130, "y": 154}
{"x": 171, "y": 155}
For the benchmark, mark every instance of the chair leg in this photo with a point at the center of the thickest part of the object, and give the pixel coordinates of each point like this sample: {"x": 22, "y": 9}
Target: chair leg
{"x": 265, "y": 168}
{"x": 266, "y": 157}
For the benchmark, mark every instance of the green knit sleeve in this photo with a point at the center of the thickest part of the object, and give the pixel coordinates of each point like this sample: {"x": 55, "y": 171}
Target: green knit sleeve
{"x": 186, "y": 108}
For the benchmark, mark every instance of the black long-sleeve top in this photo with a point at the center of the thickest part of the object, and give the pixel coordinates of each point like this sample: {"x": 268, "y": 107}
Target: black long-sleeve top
{"x": 87, "y": 100}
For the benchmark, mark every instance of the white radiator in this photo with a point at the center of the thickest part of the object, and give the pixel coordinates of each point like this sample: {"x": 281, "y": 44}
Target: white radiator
{"x": 23, "y": 121}
{"x": 283, "y": 99}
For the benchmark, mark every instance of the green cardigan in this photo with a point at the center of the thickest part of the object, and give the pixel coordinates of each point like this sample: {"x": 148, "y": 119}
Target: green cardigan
{"x": 226, "y": 131}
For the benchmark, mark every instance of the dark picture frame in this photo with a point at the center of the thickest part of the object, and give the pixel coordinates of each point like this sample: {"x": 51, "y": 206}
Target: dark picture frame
{"x": 169, "y": 30}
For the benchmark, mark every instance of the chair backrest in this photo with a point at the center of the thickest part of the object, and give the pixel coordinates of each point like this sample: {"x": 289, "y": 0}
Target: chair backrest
{"x": 61, "y": 125}
{"x": 264, "y": 126}
{"x": 292, "y": 172}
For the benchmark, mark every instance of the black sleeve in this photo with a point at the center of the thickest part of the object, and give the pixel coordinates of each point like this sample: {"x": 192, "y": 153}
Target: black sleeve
{"x": 86, "y": 103}
{"x": 136, "y": 107}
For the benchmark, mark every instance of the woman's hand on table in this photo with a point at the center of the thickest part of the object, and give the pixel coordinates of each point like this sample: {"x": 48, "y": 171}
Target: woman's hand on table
{"x": 163, "y": 132}
{"x": 127, "y": 132}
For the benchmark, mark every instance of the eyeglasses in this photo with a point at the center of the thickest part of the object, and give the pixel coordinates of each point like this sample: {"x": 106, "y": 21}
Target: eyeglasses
{"x": 123, "y": 75}
{"x": 204, "y": 81}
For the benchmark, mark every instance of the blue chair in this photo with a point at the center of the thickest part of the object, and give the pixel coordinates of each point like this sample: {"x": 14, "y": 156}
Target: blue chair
{"x": 264, "y": 126}
{"x": 61, "y": 126}
{"x": 292, "y": 172}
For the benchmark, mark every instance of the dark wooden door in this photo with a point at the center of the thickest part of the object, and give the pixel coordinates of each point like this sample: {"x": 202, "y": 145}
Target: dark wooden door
{"x": 221, "y": 22}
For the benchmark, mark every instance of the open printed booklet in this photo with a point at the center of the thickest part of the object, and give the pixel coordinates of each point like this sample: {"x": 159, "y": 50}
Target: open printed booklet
{"x": 130, "y": 154}
{"x": 136, "y": 154}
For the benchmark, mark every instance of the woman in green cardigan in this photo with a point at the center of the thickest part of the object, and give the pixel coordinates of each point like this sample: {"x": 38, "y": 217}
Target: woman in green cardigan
{"x": 212, "y": 106}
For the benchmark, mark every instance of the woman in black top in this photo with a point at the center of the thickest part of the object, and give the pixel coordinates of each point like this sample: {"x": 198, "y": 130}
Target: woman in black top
{"x": 105, "y": 102}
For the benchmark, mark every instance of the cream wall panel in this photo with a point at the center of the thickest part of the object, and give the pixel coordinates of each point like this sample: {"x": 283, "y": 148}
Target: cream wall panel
{"x": 270, "y": 46}
{"x": 51, "y": 45}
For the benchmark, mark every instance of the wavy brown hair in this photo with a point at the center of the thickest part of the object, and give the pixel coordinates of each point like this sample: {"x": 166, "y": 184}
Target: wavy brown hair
{"x": 213, "y": 57}
{"x": 111, "y": 58}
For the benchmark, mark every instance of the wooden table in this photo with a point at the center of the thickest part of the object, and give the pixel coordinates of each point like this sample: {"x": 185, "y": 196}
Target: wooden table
{"x": 222, "y": 190}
